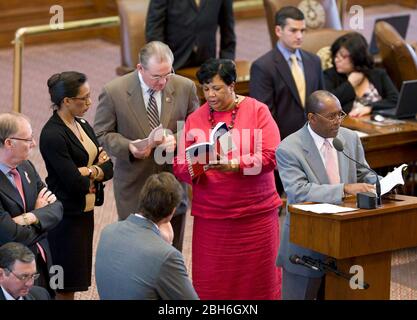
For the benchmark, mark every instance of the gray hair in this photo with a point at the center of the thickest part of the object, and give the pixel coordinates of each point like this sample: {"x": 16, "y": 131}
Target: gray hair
{"x": 157, "y": 49}
{"x": 12, "y": 252}
{"x": 9, "y": 125}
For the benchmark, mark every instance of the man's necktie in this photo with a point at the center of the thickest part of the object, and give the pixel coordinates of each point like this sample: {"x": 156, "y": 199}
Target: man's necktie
{"x": 18, "y": 183}
{"x": 298, "y": 76}
{"x": 330, "y": 160}
{"x": 152, "y": 110}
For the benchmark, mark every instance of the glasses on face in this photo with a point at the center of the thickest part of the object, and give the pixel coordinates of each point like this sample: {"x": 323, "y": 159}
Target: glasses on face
{"x": 25, "y": 277}
{"x": 164, "y": 77}
{"x": 342, "y": 56}
{"x": 22, "y": 139}
{"x": 334, "y": 117}
{"x": 85, "y": 99}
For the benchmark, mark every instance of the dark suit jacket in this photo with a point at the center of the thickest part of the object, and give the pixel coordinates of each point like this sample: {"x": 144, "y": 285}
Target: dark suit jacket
{"x": 63, "y": 154}
{"x": 182, "y": 26}
{"x": 35, "y": 293}
{"x": 271, "y": 82}
{"x": 337, "y": 84}
{"x": 11, "y": 206}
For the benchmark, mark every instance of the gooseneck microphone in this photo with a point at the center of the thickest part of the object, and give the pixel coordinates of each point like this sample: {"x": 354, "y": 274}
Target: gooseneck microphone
{"x": 318, "y": 265}
{"x": 338, "y": 145}
{"x": 297, "y": 260}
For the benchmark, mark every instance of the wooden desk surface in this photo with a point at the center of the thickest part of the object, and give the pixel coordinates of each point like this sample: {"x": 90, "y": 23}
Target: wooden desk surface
{"x": 343, "y": 235}
{"x": 386, "y": 145}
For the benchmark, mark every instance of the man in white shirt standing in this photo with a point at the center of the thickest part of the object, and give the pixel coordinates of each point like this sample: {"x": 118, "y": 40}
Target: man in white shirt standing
{"x": 129, "y": 108}
{"x": 312, "y": 170}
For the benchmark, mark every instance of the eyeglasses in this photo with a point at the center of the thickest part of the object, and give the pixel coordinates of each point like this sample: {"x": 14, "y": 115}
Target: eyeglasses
{"x": 85, "y": 99}
{"x": 341, "y": 56}
{"x": 334, "y": 117}
{"x": 25, "y": 277}
{"x": 158, "y": 78}
{"x": 22, "y": 139}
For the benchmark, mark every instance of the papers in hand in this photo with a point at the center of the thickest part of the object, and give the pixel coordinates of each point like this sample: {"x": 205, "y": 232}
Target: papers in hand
{"x": 152, "y": 140}
{"x": 323, "y": 208}
{"x": 392, "y": 179}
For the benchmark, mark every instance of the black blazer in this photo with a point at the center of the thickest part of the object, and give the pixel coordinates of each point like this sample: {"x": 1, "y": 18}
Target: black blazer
{"x": 35, "y": 293}
{"x": 272, "y": 83}
{"x": 63, "y": 155}
{"x": 182, "y": 26}
{"x": 338, "y": 84}
{"x": 11, "y": 205}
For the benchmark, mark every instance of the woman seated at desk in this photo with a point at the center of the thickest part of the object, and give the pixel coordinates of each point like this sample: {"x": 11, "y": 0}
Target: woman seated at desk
{"x": 360, "y": 87}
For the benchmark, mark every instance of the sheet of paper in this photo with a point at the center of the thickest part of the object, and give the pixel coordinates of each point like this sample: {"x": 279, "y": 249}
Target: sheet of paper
{"x": 143, "y": 143}
{"x": 392, "y": 179}
{"x": 323, "y": 208}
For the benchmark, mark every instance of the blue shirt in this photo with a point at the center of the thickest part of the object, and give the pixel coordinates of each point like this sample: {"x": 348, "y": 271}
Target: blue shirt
{"x": 287, "y": 55}
{"x": 6, "y": 170}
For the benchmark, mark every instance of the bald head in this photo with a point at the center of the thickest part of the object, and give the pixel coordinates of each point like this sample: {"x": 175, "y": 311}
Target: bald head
{"x": 324, "y": 113}
{"x": 317, "y": 101}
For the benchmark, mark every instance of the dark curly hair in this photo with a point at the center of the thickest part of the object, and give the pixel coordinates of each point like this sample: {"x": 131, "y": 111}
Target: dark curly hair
{"x": 356, "y": 45}
{"x": 225, "y": 68}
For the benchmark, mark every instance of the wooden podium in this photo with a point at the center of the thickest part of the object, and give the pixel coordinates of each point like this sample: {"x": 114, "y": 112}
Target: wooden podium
{"x": 362, "y": 237}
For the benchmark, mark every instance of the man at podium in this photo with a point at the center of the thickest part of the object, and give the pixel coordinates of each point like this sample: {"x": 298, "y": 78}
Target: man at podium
{"x": 312, "y": 170}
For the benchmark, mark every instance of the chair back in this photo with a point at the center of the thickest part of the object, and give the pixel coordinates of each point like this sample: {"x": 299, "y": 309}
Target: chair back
{"x": 398, "y": 57}
{"x": 132, "y": 15}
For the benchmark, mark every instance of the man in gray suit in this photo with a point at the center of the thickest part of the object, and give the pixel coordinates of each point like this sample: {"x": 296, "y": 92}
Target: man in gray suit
{"x": 133, "y": 261}
{"x": 308, "y": 174}
{"x": 129, "y": 107}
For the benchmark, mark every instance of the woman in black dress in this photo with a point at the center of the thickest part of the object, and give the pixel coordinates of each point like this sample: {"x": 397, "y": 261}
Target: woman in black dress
{"x": 75, "y": 164}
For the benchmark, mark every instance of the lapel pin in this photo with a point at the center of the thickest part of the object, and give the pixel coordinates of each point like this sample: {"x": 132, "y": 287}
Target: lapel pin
{"x": 168, "y": 99}
{"x": 27, "y": 177}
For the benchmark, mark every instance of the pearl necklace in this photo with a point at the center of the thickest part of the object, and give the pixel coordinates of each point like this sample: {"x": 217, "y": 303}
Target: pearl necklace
{"x": 234, "y": 112}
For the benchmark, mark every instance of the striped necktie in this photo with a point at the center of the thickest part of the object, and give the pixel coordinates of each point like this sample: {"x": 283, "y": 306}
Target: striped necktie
{"x": 152, "y": 110}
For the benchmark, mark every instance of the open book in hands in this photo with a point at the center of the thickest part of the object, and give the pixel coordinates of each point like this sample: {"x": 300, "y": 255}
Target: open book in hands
{"x": 154, "y": 138}
{"x": 200, "y": 155}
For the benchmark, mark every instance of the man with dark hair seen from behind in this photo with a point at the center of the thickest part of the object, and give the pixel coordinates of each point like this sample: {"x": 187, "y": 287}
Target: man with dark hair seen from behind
{"x": 133, "y": 261}
{"x": 189, "y": 28}
{"x": 28, "y": 210}
{"x": 312, "y": 170}
{"x": 18, "y": 273}
{"x": 286, "y": 75}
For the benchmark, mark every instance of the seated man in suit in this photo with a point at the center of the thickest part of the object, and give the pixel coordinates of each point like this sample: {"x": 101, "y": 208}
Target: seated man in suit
{"x": 18, "y": 273}
{"x": 312, "y": 170}
{"x": 27, "y": 208}
{"x": 133, "y": 261}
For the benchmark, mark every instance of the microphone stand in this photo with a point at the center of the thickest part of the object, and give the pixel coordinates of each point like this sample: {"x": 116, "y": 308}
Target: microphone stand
{"x": 324, "y": 267}
{"x": 378, "y": 185}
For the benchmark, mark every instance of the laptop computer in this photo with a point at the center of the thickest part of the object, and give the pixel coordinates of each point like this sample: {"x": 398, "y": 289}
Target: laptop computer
{"x": 406, "y": 104}
{"x": 400, "y": 23}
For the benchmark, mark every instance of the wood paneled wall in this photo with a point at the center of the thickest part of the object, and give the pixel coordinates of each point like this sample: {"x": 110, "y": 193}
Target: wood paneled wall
{"x": 15, "y": 14}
